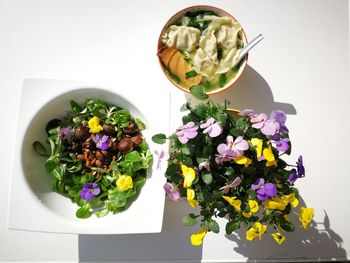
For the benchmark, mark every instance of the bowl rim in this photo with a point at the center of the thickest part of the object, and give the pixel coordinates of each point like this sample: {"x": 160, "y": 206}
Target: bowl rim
{"x": 209, "y": 7}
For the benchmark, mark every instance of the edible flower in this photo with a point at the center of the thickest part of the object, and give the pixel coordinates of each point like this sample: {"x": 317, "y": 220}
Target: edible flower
{"x": 187, "y": 132}
{"x": 190, "y": 198}
{"x": 65, "y": 133}
{"x": 257, "y": 230}
{"x": 236, "y": 182}
{"x": 248, "y": 113}
{"x": 276, "y": 203}
{"x": 212, "y": 127}
{"x": 162, "y": 156}
{"x": 171, "y": 191}
{"x": 197, "y": 238}
{"x": 94, "y": 125}
{"x": 236, "y": 203}
{"x": 267, "y": 126}
{"x": 244, "y": 160}
{"x": 270, "y": 157}
{"x": 101, "y": 141}
{"x": 281, "y": 118}
{"x": 300, "y": 167}
{"x": 305, "y": 217}
{"x": 189, "y": 175}
{"x": 89, "y": 191}
{"x": 253, "y": 208}
{"x": 124, "y": 183}
{"x": 278, "y": 237}
{"x": 231, "y": 149}
{"x": 257, "y": 144}
{"x": 264, "y": 191}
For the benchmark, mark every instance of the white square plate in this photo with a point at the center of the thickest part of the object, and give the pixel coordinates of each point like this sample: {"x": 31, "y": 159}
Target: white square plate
{"x": 34, "y": 206}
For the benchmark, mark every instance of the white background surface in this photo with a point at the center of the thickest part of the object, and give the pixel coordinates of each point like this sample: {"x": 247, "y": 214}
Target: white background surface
{"x": 302, "y": 67}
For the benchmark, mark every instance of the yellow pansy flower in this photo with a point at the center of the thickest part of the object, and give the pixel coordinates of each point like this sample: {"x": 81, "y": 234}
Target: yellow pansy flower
{"x": 189, "y": 175}
{"x": 257, "y": 144}
{"x": 305, "y": 217}
{"x": 197, "y": 238}
{"x": 257, "y": 230}
{"x": 94, "y": 125}
{"x": 244, "y": 160}
{"x": 124, "y": 183}
{"x": 190, "y": 198}
{"x": 253, "y": 208}
{"x": 236, "y": 203}
{"x": 275, "y": 203}
{"x": 270, "y": 158}
{"x": 291, "y": 199}
{"x": 278, "y": 237}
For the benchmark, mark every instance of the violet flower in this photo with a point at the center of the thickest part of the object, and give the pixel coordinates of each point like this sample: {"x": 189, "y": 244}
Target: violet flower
{"x": 102, "y": 142}
{"x": 171, "y": 191}
{"x": 293, "y": 176}
{"x": 231, "y": 149}
{"x": 65, "y": 133}
{"x": 162, "y": 156}
{"x": 89, "y": 191}
{"x": 212, "y": 127}
{"x": 205, "y": 165}
{"x": 281, "y": 118}
{"x": 300, "y": 167}
{"x": 267, "y": 126}
{"x": 186, "y": 132}
{"x": 248, "y": 113}
{"x": 236, "y": 182}
{"x": 264, "y": 191}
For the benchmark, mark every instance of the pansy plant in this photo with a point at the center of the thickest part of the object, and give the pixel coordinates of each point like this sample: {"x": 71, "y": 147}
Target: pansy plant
{"x": 233, "y": 168}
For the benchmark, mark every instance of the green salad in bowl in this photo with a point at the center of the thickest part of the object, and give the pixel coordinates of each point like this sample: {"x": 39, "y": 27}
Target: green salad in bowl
{"x": 97, "y": 157}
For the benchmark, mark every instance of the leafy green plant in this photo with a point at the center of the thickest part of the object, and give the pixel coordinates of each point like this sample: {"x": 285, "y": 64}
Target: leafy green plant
{"x": 233, "y": 168}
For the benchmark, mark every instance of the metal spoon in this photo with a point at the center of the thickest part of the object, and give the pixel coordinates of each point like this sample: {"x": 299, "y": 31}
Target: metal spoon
{"x": 248, "y": 47}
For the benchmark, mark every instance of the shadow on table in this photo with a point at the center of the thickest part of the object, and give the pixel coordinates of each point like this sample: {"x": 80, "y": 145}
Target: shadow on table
{"x": 319, "y": 243}
{"x": 172, "y": 243}
{"x": 251, "y": 92}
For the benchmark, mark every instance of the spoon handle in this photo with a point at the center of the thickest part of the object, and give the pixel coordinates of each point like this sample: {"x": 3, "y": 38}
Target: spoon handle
{"x": 249, "y": 46}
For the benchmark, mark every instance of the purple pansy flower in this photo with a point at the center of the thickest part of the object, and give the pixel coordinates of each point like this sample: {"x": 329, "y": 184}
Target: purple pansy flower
{"x": 162, "y": 156}
{"x": 300, "y": 167}
{"x": 65, "y": 133}
{"x": 212, "y": 127}
{"x": 281, "y": 118}
{"x": 264, "y": 191}
{"x": 231, "y": 149}
{"x": 293, "y": 176}
{"x": 102, "y": 142}
{"x": 205, "y": 165}
{"x": 89, "y": 191}
{"x": 171, "y": 191}
{"x": 236, "y": 182}
{"x": 186, "y": 132}
{"x": 247, "y": 113}
{"x": 282, "y": 145}
{"x": 267, "y": 126}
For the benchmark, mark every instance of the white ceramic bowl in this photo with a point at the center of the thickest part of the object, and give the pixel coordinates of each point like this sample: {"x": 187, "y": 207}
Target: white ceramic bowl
{"x": 33, "y": 204}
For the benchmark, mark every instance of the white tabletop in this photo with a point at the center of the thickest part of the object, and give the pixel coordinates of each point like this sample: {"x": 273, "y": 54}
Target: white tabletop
{"x": 302, "y": 67}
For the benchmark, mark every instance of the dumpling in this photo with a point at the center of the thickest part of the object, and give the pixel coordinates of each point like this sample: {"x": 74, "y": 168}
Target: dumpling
{"x": 228, "y": 62}
{"x": 217, "y": 21}
{"x": 181, "y": 37}
{"x": 208, "y": 43}
{"x": 227, "y": 35}
{"x": 203, "y": 64}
